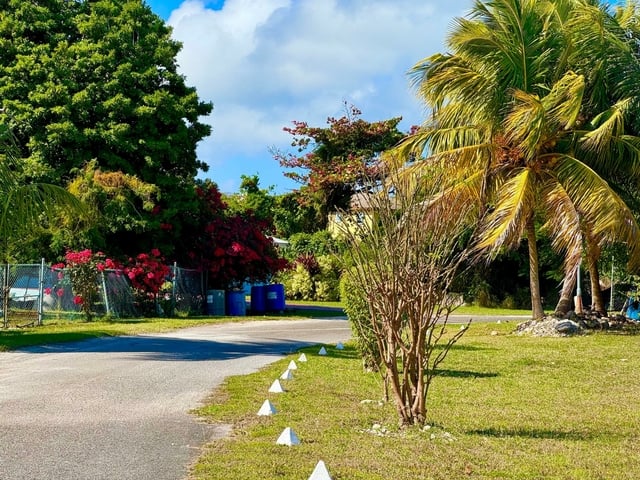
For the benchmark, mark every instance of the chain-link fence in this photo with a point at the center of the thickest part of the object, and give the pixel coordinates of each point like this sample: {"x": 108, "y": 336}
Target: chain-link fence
{"x": 35, "y": 293}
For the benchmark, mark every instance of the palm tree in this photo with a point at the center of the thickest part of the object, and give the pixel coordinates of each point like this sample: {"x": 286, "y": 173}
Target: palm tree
{"x": 24, "y": 205}
{"x": 519, "y": 126}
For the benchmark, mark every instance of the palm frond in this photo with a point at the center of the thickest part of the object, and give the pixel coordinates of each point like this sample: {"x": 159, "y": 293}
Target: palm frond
{"x": 608, "y": 217}
{"x": 563, "y": 222}
{"x": 25, "y": 205}
{"x": 526, "y": 125}
{"x": 514, "y": 204}
{"x": 564, "y": 101}
{"x": 607, "y": 127}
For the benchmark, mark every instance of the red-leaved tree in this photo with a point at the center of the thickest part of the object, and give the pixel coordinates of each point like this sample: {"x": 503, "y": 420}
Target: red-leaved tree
{"x": 233, "y": 248}
{"x": 342, "y": 159}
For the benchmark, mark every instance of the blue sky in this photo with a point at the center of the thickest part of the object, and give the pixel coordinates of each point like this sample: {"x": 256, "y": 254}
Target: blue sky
{"x": 266, "y": 63}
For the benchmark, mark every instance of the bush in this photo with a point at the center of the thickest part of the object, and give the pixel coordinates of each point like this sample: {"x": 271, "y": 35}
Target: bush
{"x": 357, "y": 310}
{"x": 301, "y": 286}
{"x": 312, "y": 278}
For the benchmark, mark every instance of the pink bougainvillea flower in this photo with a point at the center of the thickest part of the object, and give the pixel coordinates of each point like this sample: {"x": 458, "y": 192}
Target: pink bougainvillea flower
{"x": 47, "y": 291}
{"x": 60, "y": 292}
{"x": 77, "y": 300}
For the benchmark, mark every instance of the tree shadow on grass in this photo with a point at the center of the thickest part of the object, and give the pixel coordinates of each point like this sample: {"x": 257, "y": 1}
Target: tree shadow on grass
{"x": 535, "y": 433}
{"x": 464, "y": 374}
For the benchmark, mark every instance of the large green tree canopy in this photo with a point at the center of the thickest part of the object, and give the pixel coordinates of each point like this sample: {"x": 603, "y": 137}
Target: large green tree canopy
{"x": 84, "y": 80}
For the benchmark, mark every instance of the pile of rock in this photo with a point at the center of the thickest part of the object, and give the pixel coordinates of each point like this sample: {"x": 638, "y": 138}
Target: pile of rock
{"x": 575, "y": 324}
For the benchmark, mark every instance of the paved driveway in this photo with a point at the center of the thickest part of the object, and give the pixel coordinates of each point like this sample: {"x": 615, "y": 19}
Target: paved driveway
{"x": 117, "y": 408}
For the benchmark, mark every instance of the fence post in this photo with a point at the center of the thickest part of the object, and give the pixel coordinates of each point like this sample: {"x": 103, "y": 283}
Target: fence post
{"x": 41, "y": 292}
{"x": 104, "y": 294}
{"x": 173, "y": 288}
{"x": 5, "y": 297}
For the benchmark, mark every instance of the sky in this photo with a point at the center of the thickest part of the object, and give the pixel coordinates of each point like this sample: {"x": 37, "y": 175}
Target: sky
{"x": 266, "y": 63}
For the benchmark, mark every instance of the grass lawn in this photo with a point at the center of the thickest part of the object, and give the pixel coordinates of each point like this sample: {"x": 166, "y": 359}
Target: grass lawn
{"x": 503, "y": 407}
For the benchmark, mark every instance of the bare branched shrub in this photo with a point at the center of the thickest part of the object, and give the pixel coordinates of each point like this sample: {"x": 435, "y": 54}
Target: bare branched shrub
{"x": 402, "y": 256}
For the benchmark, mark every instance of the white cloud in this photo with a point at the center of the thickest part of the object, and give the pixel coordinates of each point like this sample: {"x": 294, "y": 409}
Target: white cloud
{"x": 264, "y": 63}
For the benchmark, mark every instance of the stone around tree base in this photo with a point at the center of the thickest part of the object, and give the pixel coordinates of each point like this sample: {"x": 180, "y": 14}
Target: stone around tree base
{"x": 574, "y": 324}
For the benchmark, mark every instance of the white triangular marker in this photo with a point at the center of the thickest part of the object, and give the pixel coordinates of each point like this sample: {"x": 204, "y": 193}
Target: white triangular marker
{"x": 323, "y": 351}
{"x": 287, "y": 375}
{"x": 302, "y": 358}
{"x": 292, "y": 365}
{"x": 276, "y": 387}
{"x": 267, "y": 408}
{"x": 288, "y": 437}
{"x": 339, "y": 346}
{"x": 320, "y": 472}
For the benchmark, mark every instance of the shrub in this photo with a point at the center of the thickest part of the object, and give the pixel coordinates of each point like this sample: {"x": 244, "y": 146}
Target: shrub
{"x": 83, "y": 268}
{"x": 147, "y": 273}
{"x": 355, "y": 306}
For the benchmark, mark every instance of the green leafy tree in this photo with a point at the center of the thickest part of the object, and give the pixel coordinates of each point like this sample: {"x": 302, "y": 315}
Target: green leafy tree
{"x": 292, "y": 214}
{"x": 519, "y": 120}
{"x": 84, "y": 80}
{"x": 251, "y": 198}
{"x": 116, "y": 202}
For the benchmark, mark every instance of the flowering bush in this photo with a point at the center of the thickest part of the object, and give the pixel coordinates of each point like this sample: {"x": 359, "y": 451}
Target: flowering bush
{"x": 147, "y": 273}
{"x": 83, "y": 268}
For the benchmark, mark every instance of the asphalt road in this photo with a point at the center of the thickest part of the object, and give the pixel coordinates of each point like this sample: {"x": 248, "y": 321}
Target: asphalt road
{"x": 118, "y": 408}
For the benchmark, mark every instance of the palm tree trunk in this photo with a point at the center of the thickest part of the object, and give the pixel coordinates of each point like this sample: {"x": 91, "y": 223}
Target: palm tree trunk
{"x": 534, "y": 279}
{"x": 566, "y": 294}
{"x": 593, "y": 255}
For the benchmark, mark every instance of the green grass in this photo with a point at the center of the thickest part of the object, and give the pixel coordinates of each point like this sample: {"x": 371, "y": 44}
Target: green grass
{"x": 294, "y": 303}
{"x": 503, "y": 407}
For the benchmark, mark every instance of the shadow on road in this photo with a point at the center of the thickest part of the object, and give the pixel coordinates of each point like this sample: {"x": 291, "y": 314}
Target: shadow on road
{"x": 173, "y": 349}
